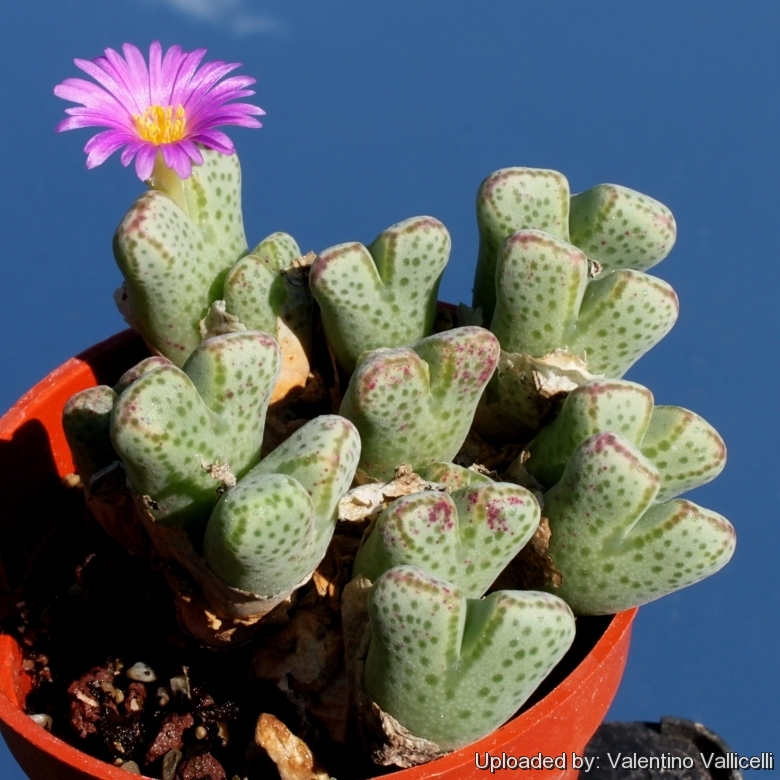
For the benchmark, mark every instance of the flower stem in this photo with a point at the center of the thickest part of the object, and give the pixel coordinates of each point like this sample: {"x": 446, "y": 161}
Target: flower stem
{"x": 165, "y": 179}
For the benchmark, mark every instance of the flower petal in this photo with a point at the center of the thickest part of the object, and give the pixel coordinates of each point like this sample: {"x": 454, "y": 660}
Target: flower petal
{"x": 176, "y": 158}
{"x": 101, "y": 146}
{"x": 129, "y": 152}
{"x": 139, "y": 74}
{"x": 155, "y": 70}
{"x": 108, "y": 82}
{"x": 192, "y": 150}
{"x": 216, "y": 140}
{"x": 144, "y": 161}
{"x": 171, "y": 65}
{"x": 187, "y": 70}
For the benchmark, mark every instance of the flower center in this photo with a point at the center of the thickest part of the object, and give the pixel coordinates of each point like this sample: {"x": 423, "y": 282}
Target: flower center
{"x": 159, "y": 125}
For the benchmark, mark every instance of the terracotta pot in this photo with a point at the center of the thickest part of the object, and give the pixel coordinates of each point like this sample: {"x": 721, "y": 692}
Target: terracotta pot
{"x": 33, "y": 451}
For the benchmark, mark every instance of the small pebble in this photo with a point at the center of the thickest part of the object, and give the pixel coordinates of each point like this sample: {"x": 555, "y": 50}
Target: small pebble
{"x": 201, "y": 732}
{"x": 132, "y": 767}
{"x": 162, "y": 695}
{"x": 181, "y": 684}
{"x": 43, "y": 720}
{"x": 140, "y": 672}
{"x": 222, "y": 732}
{"x": 170, "y": 763}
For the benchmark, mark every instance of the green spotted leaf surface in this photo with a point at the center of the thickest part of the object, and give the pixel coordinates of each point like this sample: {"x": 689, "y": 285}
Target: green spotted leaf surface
{"x": 623, "y": 315}
{"x": 138, "y": 370}
{"x": 271, "y": 531}
{"x": 261, "y": 536}
{"x": 174, "y": 428}
{"x": 174, "y": 253}
{"x": 614, "y": 546}
{"x": 451, "y": 669}
{"x": 508, "y": 201}
{"x": 594, "y": 407}
{"x": 323, "y": 456}
{"x": 684, "y": 448}
{"x": 621, "y": 228}
{"x": 467, "y": 538}
{"x": 415, "y": 404}
{"x": 453, "y": 476}
{"x": 542, "y": 281}
{"x": 86, "y": 421}
{"x": 383, "y": 295}
{"x": 257, "y": 290}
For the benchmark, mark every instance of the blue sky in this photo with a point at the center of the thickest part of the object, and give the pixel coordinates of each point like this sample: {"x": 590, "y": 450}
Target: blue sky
{"x": 378, "y": 111}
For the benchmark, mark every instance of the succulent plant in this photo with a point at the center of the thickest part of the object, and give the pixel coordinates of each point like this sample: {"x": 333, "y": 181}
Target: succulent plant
{"x": 685, "y": 449}
{"x": 273, "y": 528}
{"x": 561, "y": 286}
{"x": 545, "y": 301}
{"x": 450, "y": 668}
{"x": 616, "y": 546}
{"x": 383, "y": 295}
{"x": 467, "y": 537}
{"x": 185, "y": 434}
{"x": 174, "y": 248}
{"x": 615, "y": 226}
{"x": 560, "y": 281}
{"x": 415, "y": 404}
{"x": 86, "y": 420}
{"x": 267, "y": 291}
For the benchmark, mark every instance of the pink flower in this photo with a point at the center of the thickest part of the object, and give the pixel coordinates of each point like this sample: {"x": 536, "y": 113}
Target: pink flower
{"x": 169, "y": 107}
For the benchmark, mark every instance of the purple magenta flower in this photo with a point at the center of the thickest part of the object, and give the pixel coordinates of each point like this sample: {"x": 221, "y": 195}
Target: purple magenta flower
{"x": 170, "y": 107}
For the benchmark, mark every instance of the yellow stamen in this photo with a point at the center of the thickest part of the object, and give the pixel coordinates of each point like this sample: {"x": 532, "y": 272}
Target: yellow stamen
{"x": 158, "y": 125}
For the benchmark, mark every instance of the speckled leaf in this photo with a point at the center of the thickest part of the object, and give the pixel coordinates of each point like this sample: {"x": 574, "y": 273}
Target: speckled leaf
{"x": 257, "y": 291}
{"x": 452, "y": 670}
{"x": 261, "y": 536}
{"x": 540, "y": 284}
{"x": 595, "y": 407}
{"x": 686, "y": 450}
{"x": 271, "y": 531}
{"x": 174, "y": 248}
{"x": 174, "y": 428}
{"x": 623, "y": 315}
{"x": 508, "y": 201}
{"x": 86, "y": 421}
{"x": 138, "y": 370}
{"x": 467, "y": 538}
{"x": 621, "y": 228}
{"x": 453, "y": 476}
{"x": 613, "y": 545}
{"x": 321, "y": 455}
{"x": 383, "y": 295}
{"x": 415, "y": 404}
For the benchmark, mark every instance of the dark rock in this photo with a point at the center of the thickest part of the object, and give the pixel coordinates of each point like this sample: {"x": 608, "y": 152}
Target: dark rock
{"x": 201, "y": 767}
{"x": 673, "y": 749}
{"x": 170, "y": 736}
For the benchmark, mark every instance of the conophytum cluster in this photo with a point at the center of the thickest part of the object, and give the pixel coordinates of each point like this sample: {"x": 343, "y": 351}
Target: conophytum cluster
{"x": 563, "y": 306}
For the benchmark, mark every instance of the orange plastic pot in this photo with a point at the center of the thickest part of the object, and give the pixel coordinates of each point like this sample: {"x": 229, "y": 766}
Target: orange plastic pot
{"x": 33, "y": 452}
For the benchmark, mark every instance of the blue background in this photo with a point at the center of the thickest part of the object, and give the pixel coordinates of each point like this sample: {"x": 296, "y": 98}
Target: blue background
{"x": 381, "y": 111}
